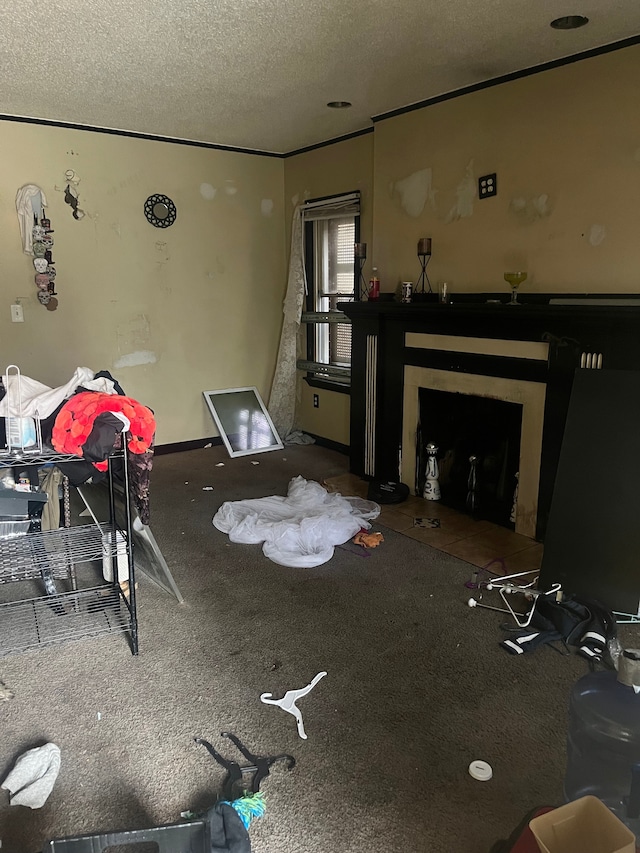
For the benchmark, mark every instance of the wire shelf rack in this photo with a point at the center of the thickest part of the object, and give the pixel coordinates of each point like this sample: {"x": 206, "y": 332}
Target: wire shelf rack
{"x": 81, "y": 612}
{"x": 51, "y": 619}
{"x": 46, "y": 456}
{"x": 53, "y": 551}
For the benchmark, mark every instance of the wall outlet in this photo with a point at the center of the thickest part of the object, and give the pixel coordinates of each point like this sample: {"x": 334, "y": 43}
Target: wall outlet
{"x": 17, "y": 314}
{"x": 488, "y": 185}
{"x": 316, "y": 401}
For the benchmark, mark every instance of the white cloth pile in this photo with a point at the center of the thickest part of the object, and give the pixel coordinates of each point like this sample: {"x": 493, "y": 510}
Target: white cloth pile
{"x": 300, "y": 530}
{"x": 33, "y": 776}
{"x": 27, "y": 397}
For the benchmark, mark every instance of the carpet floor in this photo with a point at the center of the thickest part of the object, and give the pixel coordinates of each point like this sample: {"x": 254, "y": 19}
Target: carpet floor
{"x": 417, "y": 687}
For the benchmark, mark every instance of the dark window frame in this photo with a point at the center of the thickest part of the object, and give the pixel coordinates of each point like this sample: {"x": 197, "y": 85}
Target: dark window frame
{"x": 310, "y": 304}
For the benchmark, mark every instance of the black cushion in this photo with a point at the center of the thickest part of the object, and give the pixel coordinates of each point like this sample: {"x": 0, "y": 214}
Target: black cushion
{"x": 387, "y": 492}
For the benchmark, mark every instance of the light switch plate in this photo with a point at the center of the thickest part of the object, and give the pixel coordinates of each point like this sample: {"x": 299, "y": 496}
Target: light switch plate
{"x": 17, "y": 314}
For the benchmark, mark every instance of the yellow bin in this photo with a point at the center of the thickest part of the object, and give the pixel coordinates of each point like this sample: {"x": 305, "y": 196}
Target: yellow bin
{"x": 583, "y": 826}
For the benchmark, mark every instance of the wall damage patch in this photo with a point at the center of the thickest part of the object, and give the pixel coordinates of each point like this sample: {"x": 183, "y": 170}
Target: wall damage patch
{"x": 529, "y": 208}
{"x": 133, "y": 359}
{"x": 596, "y": 235}
{"x": 208, "y": 192}
{"x": 414, "y": 191}
{"x": 465, "y": 194}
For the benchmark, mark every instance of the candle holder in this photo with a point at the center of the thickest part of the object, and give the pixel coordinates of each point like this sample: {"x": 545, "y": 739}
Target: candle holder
{"x": 424, "y": 254}
{"x": 360, "y": 256}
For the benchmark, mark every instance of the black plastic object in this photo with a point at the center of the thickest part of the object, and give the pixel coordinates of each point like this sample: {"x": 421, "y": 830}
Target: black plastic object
{"x": 192, "y": 837}
{"x": 387, "y": 492}
{"x": 233, "y": 785}
{"x": 593, "y": 537}
{"x": 220, "y": 831}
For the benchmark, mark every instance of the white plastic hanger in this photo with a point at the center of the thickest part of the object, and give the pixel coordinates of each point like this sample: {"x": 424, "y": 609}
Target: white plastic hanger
{"x": 288, "y": 701}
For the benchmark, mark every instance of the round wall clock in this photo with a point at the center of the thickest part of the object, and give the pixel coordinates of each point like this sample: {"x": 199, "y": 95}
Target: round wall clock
{"x": 160, "y": 210}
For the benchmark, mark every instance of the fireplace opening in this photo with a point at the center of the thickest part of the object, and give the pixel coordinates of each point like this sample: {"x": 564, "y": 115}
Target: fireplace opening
{"x": 478, "y": 441}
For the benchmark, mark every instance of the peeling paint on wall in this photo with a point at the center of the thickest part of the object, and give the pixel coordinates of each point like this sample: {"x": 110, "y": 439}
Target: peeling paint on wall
{"x": 220, "y": 268}
{"x": 133, "y": 334}
{"x": 465, "y": 194}
{"x": 528, "y": 209}
{"x": 71, "y": 193}
{"x": 266, "y": 206}
{"x": 208, "y": 192}
{"x": 230, "y": 187}
{"x": 124, "y": 184}
{"x": 597, "y": 234}
{"x": 414, "y": 191}
{"x": 133, "y": 359}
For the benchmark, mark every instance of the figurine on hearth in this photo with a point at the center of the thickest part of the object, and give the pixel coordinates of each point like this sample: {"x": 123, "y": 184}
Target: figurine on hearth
{"x": 431, "y": 490}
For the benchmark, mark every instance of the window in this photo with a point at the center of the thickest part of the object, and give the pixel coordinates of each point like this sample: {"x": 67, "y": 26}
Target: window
{"x": 331, "y": 228}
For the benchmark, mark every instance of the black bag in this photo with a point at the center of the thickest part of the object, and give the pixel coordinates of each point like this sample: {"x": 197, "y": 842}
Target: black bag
{"x": 387, "y": 492}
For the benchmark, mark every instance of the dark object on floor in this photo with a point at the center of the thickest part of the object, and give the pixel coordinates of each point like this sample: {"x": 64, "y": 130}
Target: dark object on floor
{"x": 521, "y": 839}
{"x": 233, "y": 785}
{"x": 226, "y": 830}
{"x": 220, "y": 831}
{"x": 573, "y": 621}
{"x": 387, "y": 492}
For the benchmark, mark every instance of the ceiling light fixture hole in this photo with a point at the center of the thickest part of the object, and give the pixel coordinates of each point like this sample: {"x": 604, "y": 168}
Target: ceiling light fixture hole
{"x": 339, "y": 105}
{"x": 569, "y": 22}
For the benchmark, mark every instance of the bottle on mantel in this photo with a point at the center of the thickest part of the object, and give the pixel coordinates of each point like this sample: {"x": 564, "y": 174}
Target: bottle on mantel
{"x": 374, "y": 286}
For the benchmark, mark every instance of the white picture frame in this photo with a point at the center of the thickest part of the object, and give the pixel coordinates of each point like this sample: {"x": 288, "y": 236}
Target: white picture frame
{"x": 243, "y": 421}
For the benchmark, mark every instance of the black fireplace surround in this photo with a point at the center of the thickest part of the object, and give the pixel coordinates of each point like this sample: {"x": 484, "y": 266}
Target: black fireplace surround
{"x": 581, "y": 331}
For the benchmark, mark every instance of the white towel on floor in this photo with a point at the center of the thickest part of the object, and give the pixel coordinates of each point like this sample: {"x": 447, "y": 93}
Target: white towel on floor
{"x": 33, "y": 776}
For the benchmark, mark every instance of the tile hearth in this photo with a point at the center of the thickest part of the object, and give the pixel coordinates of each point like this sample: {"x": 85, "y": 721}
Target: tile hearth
{"x": 475, "y": 541}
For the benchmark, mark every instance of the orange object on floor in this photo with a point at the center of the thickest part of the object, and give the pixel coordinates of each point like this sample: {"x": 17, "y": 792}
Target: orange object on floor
{"x": 368, "y": 540}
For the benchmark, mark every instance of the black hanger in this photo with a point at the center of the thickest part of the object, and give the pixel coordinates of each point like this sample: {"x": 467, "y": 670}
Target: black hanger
{"x": 260, "y": 766}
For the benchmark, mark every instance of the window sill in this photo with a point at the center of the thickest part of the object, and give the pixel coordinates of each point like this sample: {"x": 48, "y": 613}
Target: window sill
{"x": 328, "y": 385}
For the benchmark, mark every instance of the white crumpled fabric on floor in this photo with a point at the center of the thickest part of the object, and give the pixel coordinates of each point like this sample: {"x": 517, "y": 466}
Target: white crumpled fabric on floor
{"x": 33, "y": 776}
{"x": 300, "y": 530}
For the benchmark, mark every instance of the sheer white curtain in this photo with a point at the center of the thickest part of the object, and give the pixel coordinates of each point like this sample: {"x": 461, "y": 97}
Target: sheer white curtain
{"x": 282, "y": 402}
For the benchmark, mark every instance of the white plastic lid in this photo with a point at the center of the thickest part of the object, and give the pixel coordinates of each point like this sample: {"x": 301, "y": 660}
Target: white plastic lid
{"x": 480, "y": 770}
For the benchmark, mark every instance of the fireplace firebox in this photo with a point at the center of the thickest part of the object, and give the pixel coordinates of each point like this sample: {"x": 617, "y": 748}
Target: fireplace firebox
{"x": 478, "y": 441}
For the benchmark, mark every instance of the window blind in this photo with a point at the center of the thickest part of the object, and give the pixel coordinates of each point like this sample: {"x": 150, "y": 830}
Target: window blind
{"x": 329, "y": 208}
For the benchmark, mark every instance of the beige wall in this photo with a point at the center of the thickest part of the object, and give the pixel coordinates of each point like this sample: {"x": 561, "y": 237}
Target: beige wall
{"x": 565, "y": 144}
{"x": 337, "y": 168}
{"x": 202, "y": 298}
{"x": 331, "y": 418}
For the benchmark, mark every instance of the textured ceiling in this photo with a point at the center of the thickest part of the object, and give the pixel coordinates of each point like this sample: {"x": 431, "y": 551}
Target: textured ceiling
{"x": 257, "y": 74}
